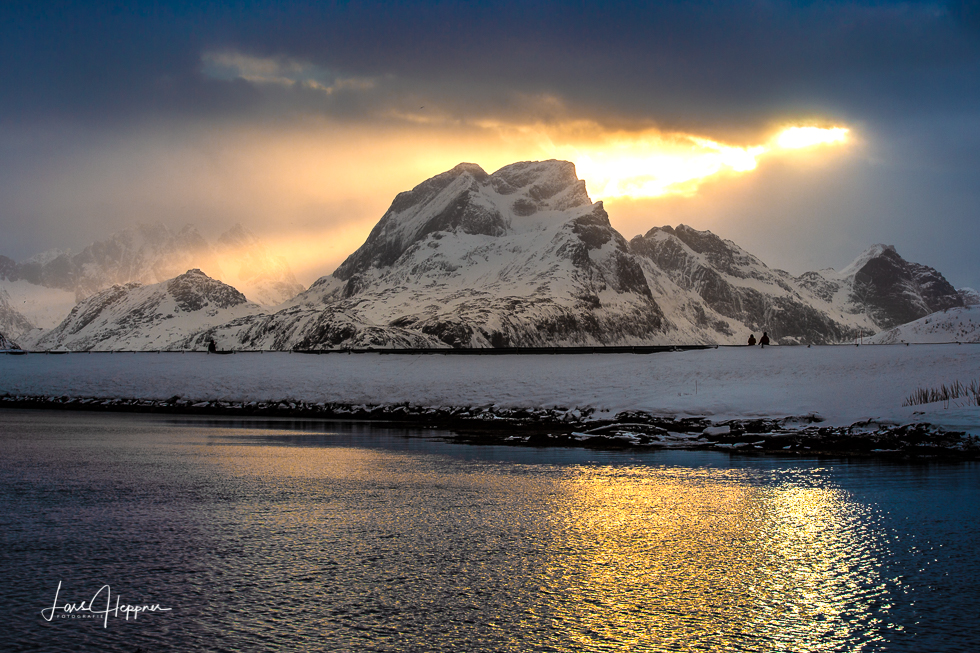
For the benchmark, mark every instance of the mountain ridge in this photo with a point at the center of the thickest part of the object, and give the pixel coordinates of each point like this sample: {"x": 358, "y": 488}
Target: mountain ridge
{"x": 523, "y": 257}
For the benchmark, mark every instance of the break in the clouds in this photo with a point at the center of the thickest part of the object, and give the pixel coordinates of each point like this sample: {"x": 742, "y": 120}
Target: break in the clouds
{"x": 304, "y": 119}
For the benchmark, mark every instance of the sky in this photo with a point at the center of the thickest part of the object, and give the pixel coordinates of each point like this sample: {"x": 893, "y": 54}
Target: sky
{"x": 303, "y": 120}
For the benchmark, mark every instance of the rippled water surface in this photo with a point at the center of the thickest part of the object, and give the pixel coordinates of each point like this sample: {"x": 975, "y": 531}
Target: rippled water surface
{"x": 286, "y": 535}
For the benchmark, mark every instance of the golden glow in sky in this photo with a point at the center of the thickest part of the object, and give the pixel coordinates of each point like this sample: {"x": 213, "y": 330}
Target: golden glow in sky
{"x": 654, "y": 164}
{"x": 313, "y": 191}
{"x": 796, "y": 137}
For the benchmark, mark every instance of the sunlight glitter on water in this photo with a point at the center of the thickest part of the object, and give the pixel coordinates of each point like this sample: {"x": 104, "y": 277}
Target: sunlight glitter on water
{"x": 358, "y": 538}
{"x": 699, "y": 559}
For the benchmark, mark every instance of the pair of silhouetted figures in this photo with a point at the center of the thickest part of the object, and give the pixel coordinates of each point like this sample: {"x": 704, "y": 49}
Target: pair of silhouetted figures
{"x": 763, "y": 341}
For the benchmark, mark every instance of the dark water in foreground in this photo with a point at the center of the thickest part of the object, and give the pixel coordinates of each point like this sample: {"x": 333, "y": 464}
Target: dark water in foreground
{"x": 288, "y": 535}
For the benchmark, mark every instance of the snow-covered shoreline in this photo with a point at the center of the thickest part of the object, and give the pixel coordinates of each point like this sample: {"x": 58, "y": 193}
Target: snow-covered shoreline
{"x": 840, "y": 384}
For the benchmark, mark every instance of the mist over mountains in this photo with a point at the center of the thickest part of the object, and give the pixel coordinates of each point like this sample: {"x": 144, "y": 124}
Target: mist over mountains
{"x": 40, "y": 291}
{"x": 518, "y": 258}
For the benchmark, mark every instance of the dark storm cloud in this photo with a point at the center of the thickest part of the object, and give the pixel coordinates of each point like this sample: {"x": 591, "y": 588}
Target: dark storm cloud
{"x": 105, "y": 107}
{"x": 685, "y": 64}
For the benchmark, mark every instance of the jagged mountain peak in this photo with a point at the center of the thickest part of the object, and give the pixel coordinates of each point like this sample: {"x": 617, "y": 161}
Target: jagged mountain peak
{"x": 153, "y": 252}
{"x": 193, "y": 290}
{"x": 45, "y": 257}
{"x": 893, "y": 291}
{"x": 468, "y": 200}
{"x": 670, "y": 245}
{"x": 876, "y": 251}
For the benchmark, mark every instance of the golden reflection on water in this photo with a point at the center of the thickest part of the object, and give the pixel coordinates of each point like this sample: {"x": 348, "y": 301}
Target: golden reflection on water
{"x": 688, "y": 559}
{"x": 604, "y": 557}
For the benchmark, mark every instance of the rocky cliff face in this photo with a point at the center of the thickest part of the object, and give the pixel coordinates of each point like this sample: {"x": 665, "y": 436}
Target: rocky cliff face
{"x": 877, "y": 291}
{"x": 893, "y": 291}
{"x": 740, "y": 287}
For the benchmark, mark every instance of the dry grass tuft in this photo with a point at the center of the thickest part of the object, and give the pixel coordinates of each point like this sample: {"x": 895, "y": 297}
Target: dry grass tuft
{"x": 945, "y": 393}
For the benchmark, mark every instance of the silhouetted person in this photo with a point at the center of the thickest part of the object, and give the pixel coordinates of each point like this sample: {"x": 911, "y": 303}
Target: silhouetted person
{"x": 764, "y": 340}
{"x": 751, "y": 339}
{"x": 212, "y": 348}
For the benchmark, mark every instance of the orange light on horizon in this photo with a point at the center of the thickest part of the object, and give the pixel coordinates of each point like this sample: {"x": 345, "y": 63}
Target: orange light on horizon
{"x": 653, "y": 164}
{"x": 793, "y": 138}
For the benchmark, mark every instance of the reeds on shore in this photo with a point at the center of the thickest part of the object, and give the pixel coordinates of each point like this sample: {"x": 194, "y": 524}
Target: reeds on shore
{"x": 946, "y": 393}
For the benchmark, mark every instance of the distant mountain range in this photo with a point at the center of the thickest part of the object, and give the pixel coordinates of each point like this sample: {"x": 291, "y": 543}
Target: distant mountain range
{"x": 41, "y": 291}
{"x": 521, "y": 257}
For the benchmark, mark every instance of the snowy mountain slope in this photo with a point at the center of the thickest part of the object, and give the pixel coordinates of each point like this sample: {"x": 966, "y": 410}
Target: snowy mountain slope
{"x": 970, "y": 296}
{"x": 961, "y": 324}
{"x": 151, "y": 317}
{"x": 877, "y": 290}
{"x": 42, "y": 307}
{"x": 521, "y": 257}
{"x": 7, "y": 344}
{"x": 742, "y": 289}
{"x": 12, "y": 321}
{"x": 151, "y": 253}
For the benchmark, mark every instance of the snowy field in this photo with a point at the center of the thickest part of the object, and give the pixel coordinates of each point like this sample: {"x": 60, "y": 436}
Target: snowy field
{"x": 841, "y": 384}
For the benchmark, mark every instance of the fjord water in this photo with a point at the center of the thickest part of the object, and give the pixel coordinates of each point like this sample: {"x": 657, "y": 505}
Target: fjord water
{"x": 303, "y": 535}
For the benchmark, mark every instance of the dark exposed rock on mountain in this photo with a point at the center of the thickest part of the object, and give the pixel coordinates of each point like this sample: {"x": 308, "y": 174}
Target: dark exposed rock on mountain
{"x": 894, "y": 291}
{"x": 737, "y": 285}
{"x": 141, "y": 254}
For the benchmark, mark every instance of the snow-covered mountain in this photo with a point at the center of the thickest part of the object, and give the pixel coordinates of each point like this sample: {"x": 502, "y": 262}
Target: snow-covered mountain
{"x": 522, "y": 257}
{"x": 893, "y": 291}
{"x": 724, "y": 278}
{"x": 25, "y": 306}
{"x": 151, "y": 253}
{"x": 878, "y": 290}
{"x": 960, "y": 324}
{"x": 7, "y": 344}
{"x": 12, "y": 321}
{"x": 153, "y": 317}
{"x": 970, "y": 296}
